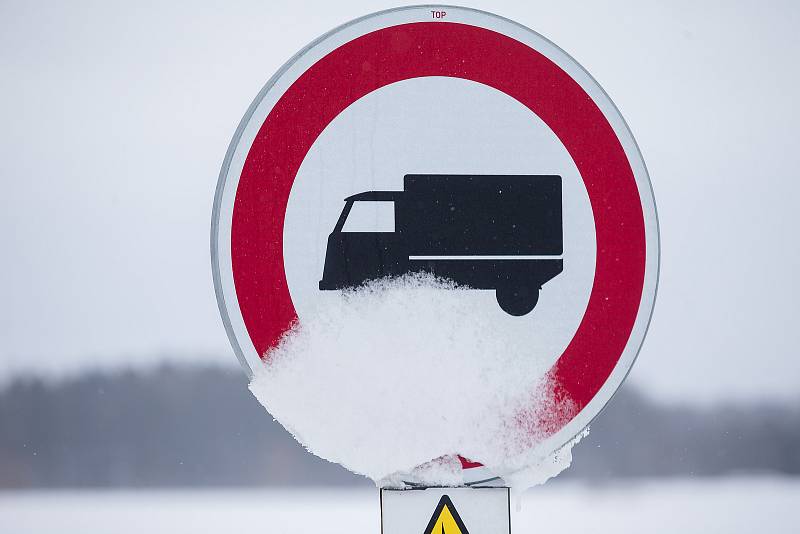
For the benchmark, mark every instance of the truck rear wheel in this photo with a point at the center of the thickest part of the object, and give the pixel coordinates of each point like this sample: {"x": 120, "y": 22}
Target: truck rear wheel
{"x": 517, "y": 301}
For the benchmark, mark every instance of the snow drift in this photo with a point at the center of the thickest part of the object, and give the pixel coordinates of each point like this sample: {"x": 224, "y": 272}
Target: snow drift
{"x": 391, "y": 380}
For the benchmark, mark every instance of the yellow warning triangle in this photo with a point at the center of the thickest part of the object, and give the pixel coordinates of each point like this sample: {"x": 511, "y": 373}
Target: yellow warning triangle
{"x": 445, "y": 519}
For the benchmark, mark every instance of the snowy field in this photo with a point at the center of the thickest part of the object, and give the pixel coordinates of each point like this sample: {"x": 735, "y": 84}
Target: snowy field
{"x": 737, "y": 505}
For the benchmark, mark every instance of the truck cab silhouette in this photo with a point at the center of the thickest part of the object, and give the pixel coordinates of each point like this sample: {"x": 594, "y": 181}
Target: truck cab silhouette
{"x": 500, "y": 232}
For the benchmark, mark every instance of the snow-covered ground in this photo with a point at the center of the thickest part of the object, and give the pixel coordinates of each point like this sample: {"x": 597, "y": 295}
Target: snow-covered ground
{"x": 733, "y": 505}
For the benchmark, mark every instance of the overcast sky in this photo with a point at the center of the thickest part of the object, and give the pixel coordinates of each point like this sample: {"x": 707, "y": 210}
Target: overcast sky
{"x": 116, "y": 118}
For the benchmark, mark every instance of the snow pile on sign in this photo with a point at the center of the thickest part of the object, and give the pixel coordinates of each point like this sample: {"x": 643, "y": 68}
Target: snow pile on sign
{"x": 391, "y": 381}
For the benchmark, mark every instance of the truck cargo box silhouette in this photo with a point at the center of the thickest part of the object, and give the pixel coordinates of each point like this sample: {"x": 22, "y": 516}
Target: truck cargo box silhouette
{"x": 501, "y": 232}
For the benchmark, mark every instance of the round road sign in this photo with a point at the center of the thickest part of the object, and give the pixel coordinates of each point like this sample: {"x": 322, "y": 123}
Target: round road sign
{"x": 506, "y": 169}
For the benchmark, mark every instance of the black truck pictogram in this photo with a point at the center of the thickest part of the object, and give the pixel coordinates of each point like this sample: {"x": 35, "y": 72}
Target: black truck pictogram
{"x": 501, "y": 232}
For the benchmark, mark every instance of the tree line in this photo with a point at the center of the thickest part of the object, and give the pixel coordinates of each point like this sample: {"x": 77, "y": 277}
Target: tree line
{"x": 200, "y": 426}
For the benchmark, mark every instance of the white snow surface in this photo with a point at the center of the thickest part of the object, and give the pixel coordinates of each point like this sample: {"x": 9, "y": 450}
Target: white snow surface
{"x": 391, "y": 380}
{"x": 740, "y": 505}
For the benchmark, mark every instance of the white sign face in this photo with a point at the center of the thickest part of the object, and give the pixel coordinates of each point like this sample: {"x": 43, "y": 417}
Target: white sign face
{"x": 449, "y": 510}
{"x": 455, "y": 143}
{"x": 397, "y": 130}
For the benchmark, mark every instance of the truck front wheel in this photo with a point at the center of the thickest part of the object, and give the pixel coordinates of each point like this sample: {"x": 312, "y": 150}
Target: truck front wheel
{"x": 517, "y": 301}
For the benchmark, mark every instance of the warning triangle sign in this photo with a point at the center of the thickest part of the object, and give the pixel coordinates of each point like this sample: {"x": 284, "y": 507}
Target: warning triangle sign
{"x": 445, "y": 519}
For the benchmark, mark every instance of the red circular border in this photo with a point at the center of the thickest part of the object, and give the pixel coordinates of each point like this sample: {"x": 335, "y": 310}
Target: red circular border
{"x": 456, "y": 50}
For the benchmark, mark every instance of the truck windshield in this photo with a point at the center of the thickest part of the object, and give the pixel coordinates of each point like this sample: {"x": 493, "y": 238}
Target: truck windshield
{"x": 370, "y": 216}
